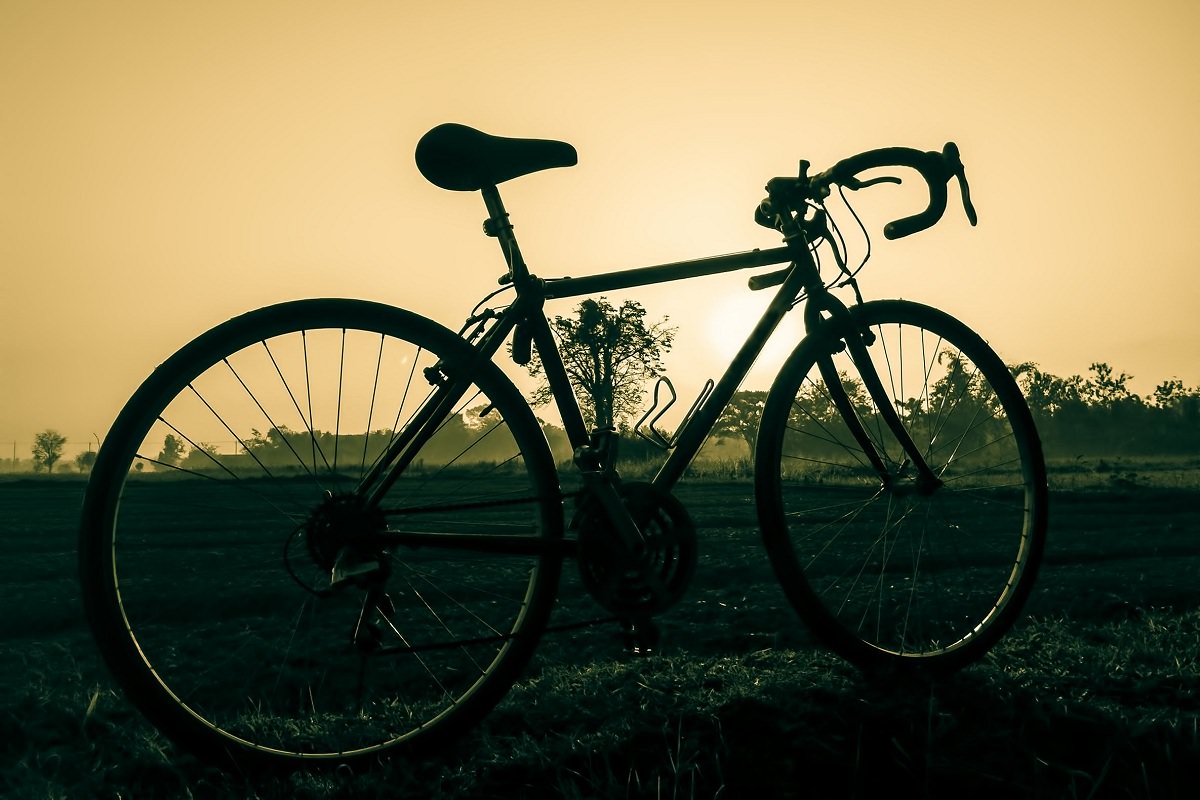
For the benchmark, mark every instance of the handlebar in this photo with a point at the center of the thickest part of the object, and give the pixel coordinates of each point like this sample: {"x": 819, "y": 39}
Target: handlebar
{"x": 936, "y": 168}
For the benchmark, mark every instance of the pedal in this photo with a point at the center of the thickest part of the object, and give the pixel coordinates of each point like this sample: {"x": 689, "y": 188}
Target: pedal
{"x": 641, "y": 638}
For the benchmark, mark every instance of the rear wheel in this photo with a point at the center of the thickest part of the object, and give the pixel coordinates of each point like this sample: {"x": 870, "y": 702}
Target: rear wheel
{"x": 242, "y": 588}
{"x": 887, "y": 566}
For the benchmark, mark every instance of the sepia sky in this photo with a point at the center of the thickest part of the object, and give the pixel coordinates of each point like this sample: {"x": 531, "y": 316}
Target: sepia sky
{"x": 164, "y": 166}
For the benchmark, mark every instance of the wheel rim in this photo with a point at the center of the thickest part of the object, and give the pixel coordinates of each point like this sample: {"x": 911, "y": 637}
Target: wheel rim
{"x": 898, "y": 565}
{"x": 223, "y": 557}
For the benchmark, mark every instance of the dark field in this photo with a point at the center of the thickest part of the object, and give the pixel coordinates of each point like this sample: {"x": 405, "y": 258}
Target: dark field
{"x": 1095, "y": 694}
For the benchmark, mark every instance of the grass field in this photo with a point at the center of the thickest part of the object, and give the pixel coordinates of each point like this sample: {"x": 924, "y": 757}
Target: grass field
{"x": 1095, "y": 694}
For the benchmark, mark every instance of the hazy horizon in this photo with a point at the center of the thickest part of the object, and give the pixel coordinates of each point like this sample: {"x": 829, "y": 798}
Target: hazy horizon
{"x": 165, "y": 167}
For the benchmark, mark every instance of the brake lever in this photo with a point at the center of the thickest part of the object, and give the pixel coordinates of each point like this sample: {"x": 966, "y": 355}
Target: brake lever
{"x": 968, "y": 206}
{"x": 955, "y": 165}
{"x": 854, "y": 184}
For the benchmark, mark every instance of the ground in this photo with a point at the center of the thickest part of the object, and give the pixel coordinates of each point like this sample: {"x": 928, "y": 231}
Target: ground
{"x": 1095, "y": 693}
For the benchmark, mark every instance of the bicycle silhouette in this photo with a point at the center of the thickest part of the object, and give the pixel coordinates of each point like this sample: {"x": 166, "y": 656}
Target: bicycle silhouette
{"x": 375, "y": 564}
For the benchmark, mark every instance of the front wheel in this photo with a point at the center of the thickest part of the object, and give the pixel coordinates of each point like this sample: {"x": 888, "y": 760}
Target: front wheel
{"x": 237, "y": 569}
{"x": 888, "y": 565}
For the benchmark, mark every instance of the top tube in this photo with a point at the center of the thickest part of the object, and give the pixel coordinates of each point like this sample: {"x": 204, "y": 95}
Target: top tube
{"x": 679, "y": 270}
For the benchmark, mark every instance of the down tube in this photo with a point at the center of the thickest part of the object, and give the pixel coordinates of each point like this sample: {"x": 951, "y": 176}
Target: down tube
{"x": 699, "y": 426}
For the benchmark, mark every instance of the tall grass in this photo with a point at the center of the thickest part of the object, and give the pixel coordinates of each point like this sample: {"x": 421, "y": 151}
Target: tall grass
{"x": 1061, "y": 708}
{"x": 1096, "y": 695}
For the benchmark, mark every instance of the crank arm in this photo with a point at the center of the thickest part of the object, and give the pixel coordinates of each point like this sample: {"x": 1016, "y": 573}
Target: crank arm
{"x": 614, "y": 508}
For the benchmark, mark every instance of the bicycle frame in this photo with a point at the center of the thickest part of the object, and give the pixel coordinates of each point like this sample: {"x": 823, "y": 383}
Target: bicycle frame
{"x": 525, "y": 315}
{"x": 698, "y": 425}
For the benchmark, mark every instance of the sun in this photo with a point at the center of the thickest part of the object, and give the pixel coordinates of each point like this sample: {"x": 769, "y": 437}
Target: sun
{"x": 730, "y": 319}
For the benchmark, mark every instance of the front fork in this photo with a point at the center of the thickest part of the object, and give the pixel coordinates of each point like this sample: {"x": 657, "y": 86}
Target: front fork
{"x": 857, "y": 339}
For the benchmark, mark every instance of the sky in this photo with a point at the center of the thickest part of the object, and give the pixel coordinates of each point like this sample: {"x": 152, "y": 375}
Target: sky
{"x": 165, "y": 166}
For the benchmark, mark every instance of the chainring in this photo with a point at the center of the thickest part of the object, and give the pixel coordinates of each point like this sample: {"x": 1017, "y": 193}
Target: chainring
{"x": 649, "y": 578}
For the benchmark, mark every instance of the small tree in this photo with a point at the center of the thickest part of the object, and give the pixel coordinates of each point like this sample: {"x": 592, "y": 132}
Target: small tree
{"x": 85, "y": 461}
{"x": 1106, "y": 388}
{"x": 609, "y": 353}
{"x": 202, "y": 457}
{"x": 47, "y": 449}
{"x": 1172, "y": 393}
{"x": 172, "y": 451}
{"x": 1047, "y": 394}
{"x": 741, "y": 417}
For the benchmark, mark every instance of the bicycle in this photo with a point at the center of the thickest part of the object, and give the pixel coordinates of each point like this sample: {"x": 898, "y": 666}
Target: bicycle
{"x": 372, "y": 568}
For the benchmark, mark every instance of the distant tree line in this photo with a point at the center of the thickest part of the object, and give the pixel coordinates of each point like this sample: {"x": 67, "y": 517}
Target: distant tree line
{"x": 1097, "y": 414}
{"x": 465, "y": 438}
{"x": 47, "y": 455}
{"x": 1081, "y": 415}
{"x": 612, "y": 352}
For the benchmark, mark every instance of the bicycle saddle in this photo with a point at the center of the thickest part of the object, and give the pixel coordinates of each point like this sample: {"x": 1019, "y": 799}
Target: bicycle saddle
{"x": 462, "y": 159}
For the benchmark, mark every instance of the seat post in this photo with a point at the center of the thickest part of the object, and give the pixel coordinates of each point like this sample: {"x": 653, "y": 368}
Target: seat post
{"x": 498, "y": 227}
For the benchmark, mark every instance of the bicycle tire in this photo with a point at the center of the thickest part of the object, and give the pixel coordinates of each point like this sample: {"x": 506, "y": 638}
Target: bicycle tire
{"x": 208, "y": 575}
{"x": 887, "y": 575}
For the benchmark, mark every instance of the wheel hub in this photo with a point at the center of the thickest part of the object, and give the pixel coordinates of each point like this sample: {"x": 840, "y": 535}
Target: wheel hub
{"x": 907, "y": 481}
{"x": 337, "y": 529}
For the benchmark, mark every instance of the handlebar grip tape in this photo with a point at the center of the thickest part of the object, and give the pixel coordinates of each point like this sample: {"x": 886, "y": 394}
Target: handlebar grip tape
{"x": 926, "y": 219}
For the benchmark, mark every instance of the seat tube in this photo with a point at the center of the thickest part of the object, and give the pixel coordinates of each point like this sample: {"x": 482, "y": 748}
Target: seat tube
{"x": 498, "y": 227}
